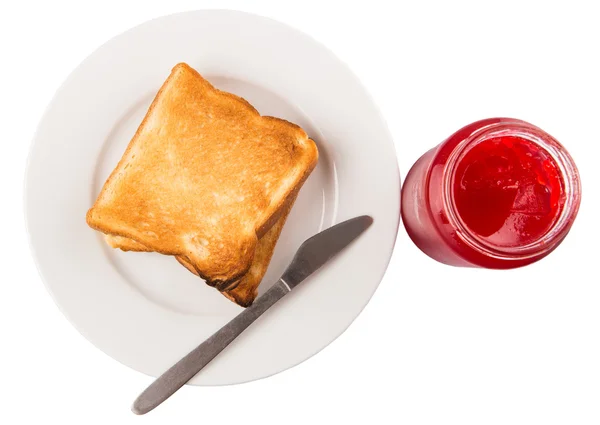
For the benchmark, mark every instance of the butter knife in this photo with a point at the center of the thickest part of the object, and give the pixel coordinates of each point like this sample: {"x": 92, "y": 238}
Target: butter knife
{"x": 311, "y": 255}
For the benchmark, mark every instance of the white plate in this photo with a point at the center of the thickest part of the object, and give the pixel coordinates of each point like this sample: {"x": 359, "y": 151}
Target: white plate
{"x": 147, "y": 311}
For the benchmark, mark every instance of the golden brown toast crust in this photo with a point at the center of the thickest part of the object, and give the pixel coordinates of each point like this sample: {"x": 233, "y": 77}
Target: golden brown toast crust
{"x": 204, "y": 177}
{"x": 125, "y": 244}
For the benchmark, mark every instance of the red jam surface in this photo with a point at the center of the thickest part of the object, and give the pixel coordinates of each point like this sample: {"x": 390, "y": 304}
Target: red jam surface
{"x": 508, "y": 191}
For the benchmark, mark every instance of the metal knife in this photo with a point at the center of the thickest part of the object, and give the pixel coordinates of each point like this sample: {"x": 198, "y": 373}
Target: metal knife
{"x": 311, "y": 255}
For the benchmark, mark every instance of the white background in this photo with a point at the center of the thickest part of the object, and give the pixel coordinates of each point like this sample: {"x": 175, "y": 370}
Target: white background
{"x": 436, "y": 345}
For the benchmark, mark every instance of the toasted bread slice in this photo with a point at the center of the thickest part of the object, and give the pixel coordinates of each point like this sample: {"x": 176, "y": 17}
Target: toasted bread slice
{"x": 204, "y": 177}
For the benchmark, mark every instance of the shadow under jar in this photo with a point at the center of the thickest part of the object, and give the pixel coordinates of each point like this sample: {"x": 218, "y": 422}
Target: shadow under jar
{"x": 499, "y": 193}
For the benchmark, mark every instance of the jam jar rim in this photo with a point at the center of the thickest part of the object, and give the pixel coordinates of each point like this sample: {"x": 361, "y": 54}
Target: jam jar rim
{"x": 568, "y": 171}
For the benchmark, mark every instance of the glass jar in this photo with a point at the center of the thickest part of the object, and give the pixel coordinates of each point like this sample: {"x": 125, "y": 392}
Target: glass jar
{"x": 499, "y": 193}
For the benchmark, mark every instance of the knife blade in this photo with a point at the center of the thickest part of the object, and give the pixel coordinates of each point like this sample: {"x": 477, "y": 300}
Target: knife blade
{"x": 311, "y": 255}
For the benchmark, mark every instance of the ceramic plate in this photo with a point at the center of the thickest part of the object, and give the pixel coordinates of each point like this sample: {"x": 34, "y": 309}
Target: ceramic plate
{"x": 147, "y": 311}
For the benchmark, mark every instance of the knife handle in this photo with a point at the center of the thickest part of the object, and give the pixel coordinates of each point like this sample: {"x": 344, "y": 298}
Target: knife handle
{"x": 185, "y": 369}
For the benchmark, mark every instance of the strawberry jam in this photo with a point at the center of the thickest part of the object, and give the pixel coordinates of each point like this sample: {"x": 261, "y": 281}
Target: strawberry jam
{"x": 508, "y": 191}
{"x": 499, "y": 193}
